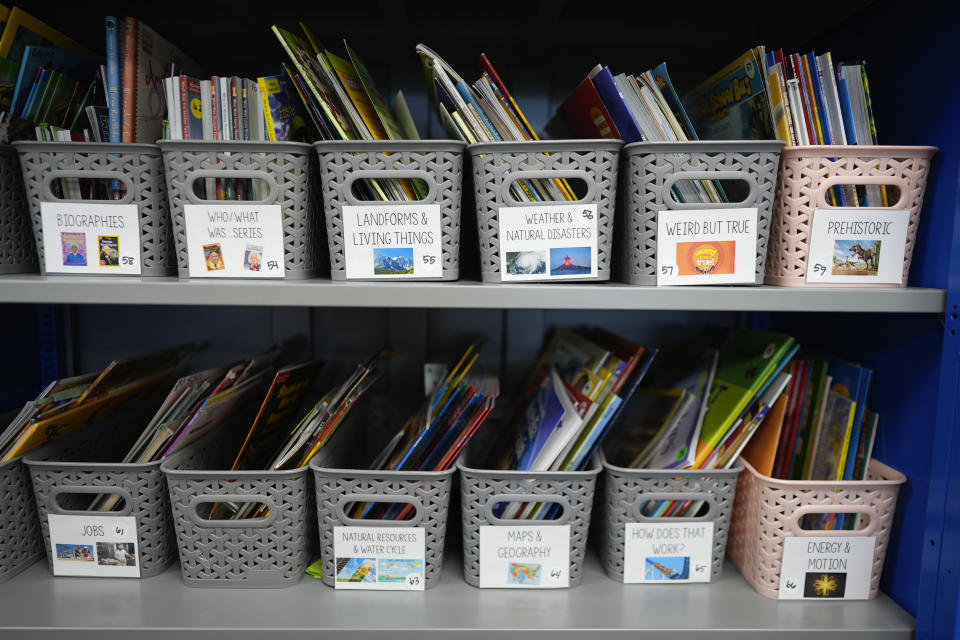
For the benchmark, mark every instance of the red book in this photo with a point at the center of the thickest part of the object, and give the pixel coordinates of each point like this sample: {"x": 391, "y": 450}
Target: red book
{"x": 128, "y": 94}
{"x": 585, "y": 115}
{"x": 214, "y": 107}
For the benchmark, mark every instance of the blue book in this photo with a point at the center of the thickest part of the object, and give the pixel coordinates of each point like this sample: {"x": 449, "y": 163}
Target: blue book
{"x": 35, "y": 92}
{"x": 113, "y": 77}
{"x": 617, "y": 106}
{"x": 846, "y": 110}
{"x": 76, "y": 66}
{"x": 467, "y": 96}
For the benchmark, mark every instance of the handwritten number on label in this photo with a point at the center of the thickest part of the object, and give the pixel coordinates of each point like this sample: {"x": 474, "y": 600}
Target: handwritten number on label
{"x": 700, "y": 568}
{"x": 413, "y": 580}
{"x": 429, "y": 259}
{"x": 272, "y": 265}
{"x": 819, "y": 269}
{"x": 587, "y": 214}
{"x": 555, "y": 573}
{"x": 667, "y": 270}
{"x": 127, "y": 259}
{"x": 791, "y": 584}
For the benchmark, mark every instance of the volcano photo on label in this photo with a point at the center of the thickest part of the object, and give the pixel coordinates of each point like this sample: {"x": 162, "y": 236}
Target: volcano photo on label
{"x": 566, "y": 261}
{"x": 526, "y": 262}
{"x": 393, "y": 261}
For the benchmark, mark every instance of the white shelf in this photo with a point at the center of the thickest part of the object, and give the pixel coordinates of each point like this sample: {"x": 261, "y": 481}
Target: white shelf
{"x": 461, "y": 294}
{"x": 35, "y": 605}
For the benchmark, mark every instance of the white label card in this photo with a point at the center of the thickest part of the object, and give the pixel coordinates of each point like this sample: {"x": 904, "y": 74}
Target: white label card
{"x": 525, "y": 557}
{"x": 706, "y": 246}
{"x": 823, "y": 567}
{"x": 392, "y": 241}
{"x": 548, "y": 242}
{"x": 857, "y": 246}
{"x": 83, "y": 237}
{"x": 234, "y": 240}
{"x": 379, "y": 558}
{"x": 667, "y": 552}
{"x": 103, "y": 546}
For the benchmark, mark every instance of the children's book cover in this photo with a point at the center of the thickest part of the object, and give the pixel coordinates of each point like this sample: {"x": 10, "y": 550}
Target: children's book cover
{"x": 732, "y": 104}
{"x": 282, "y": 110}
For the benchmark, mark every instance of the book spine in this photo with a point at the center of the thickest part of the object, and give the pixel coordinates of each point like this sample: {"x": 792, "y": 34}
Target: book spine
{"x": 184, "y": 109}
{"x": 129, "y": 111}
{"x": 113, "y": 77}
{"x": 267, "y": 115}
{"x": 215, "y": 106}
{"x": 246, "y": 114}
{"x": 235, "y": 110}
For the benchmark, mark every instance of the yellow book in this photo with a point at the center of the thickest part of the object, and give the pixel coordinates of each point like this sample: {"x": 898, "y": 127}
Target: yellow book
{"x": 13, "y": 41}
{"x": 268, "y": 87}
{"x": 351, "y": 82}
{"x": 778, "y": 107}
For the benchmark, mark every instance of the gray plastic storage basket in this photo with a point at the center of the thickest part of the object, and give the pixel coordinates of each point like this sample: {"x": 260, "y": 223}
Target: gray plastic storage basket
{"x": 428, "y": 492}
{"x": 268, "y": 552}
{"x": 138, "y": 166}
{"x": 627, "y": 490}
{"x": 439, "y": 163}
{"x": 66, "y": 477}
{"x": 481, "y": 490}
{"x": 653, "y": 168}
{"x": 18, "y": 251}
{"x": 20, "y": 541}
{"x": 496, "y": 165}
{"x": 284, "y": 167}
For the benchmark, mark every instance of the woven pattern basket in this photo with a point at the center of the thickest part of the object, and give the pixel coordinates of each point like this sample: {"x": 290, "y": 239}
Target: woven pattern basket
{"x": 428, "y": 492}
{"x": 18, "y": 251}
{"x": 481, "y": 490}
{"x": 438, "y": 163}
{"x": 20, "y": 540}
{"x": 66, "y": 479}
{"x": 268, "y": 552}
{"x": 652, "y": 170}
{"x": 807, "y": 173}
{"x": 138, "y": 166}
{"x": 283, "y": 167}
{"x": 497, "y": 165}
{"x": 628, "y": 490}
{"x": 767, "y": 510}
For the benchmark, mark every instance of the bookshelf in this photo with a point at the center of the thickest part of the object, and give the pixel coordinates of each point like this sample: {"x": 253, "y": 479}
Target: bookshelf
{"x": 909, "y": 336}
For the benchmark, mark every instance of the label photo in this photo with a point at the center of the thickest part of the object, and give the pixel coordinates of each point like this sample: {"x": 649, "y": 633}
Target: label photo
{"x": 548, "y": 242}
{"x": 101, "y": 546}
{"x": 857, "y": 246}
{"x": 234, "y": 240}
{"x": 392, "y": 241}
{"x": 826, "y": 567}
{"x": 707, "y": 246}
{"x": 523, "y": 557}
{"x": 667, "y": 552}
{"x": 80, "y": 237}
{"x": 379, "y": 558}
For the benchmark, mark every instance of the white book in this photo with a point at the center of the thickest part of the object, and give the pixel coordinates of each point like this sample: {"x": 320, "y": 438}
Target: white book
{"x": 206, "y": 109}
{"x": 831, "y": 98}
{"x": 799, "y": 128}
{"x": 226, "y": 110}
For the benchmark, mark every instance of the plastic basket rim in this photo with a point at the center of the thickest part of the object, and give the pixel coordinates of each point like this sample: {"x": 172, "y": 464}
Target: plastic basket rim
{"x": 316, "y": 467}
{"x": 12, "y": 462}
{"x": 592, "y": 472}
{"x": 672, "y": 473}
{"x": 85, "y": 147}
{"x": 868, "y": 151}
{"x": 704, "y": 146}
{"x": 167, "y": 144}
{"x": 169, "y": 467}
{"x": 545, "y": 146}
{"x": 388, "y": 146}
{"x": 895, "y": 480}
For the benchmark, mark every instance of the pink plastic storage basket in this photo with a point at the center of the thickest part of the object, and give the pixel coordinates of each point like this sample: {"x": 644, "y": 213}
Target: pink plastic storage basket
{"x": 767, "y": 510}
{"x": 806, "y": 173}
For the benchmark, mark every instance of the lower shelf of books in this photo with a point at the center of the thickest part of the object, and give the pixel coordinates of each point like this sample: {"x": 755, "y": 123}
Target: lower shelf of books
{"x": 36, "y": 605}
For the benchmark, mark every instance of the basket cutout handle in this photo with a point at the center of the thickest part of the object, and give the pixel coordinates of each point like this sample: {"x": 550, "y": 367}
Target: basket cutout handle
{"x": 740, "y": 176}
{"x": 506, "y": 197}
{"x": 493, "y": 500}
{"x": 264, "y": 177}
{"x": 247, "y": 523}
{"x": 50, "y": 177}
{"x": 793, "y": 522}
{"x": 676, "y": 496}
{"x": 387, "y": 174}
{"x": 371, "y": 498}
{"x": 899, "y": 183}
{"x": 105, "y": 490}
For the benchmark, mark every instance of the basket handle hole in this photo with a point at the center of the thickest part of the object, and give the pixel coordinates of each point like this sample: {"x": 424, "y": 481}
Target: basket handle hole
{"x": 232, "y": 189}
{"x": 548, "y": 189}
{"x": 870, "y": 191}
{"x": 505, "y": 510}
{"x": 232, "y": 510}
{"x": 393, "y": 511}
{"x": 106, "y": 501}
{"x": 367, "y": 190}
{"x": 829, "y": 521}
{"x": 683, "y": 507}
{"x": 80, "y": 189}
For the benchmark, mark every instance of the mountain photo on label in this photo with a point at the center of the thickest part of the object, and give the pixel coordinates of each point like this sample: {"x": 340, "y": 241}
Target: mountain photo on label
{"x": 565, "y": 261}
{"x": 397, "y": 261}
